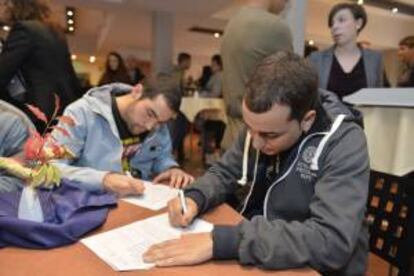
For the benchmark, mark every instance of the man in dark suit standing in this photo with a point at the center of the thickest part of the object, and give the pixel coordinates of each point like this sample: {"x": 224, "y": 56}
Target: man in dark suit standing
{"x": 36, "y": 47}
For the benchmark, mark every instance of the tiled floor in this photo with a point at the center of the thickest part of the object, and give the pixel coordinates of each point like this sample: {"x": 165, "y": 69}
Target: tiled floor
{"x": 194, "y": 165}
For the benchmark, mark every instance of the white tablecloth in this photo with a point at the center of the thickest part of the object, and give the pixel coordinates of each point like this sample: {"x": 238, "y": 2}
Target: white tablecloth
{"x": 390, "y": 134}
{"x": 191, "y": 106}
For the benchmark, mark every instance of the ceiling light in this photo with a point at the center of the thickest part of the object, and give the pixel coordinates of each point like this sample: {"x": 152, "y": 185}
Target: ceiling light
{"x": 6, "y": 28}
{"x": 73, "y": 57}
{"x": 360, "y": 2}
{"x": 216, "y": 35}
{"x": 71, "y": 28}
{"x": 92, "y": 59}
{"x": 69, "y": 12}
{"x": 311, "y": 42}
{"x": 394, "y": 10}
{"x": 70, "y": 21}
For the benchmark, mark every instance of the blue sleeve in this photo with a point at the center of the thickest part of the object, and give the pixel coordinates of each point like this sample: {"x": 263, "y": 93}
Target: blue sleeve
{"x": 13, "y": 134}
{"x": 90, "y": 178}
{"x": 165, "y": 159}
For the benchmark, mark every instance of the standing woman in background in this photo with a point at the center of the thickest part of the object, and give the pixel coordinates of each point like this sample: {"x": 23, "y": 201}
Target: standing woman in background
{"x": 115, "y": 70}
{"x": 346, "y": 67}
{"x": 37, "y": 49}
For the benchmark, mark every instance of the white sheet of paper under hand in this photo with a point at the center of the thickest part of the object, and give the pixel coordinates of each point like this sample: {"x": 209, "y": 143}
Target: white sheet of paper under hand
{"x": 155, "y": 197}
{"x": 122, "y": 248}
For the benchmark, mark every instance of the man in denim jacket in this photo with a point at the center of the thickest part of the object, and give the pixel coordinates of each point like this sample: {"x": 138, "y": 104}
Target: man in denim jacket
{"x": 120, "y": 130}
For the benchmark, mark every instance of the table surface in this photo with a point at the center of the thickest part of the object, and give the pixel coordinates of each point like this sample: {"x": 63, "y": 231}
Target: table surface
{"x": 77, "y": 260}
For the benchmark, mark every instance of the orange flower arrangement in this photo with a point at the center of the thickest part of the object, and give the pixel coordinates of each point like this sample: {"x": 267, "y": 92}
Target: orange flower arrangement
{"x": 39, "y": 150}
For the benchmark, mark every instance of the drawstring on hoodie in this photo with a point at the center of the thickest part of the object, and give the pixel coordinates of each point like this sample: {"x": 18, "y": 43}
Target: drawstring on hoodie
{"x": 314, "y": 163}
{"x": 243, "y": 180}
{"x": 338, "y": 121}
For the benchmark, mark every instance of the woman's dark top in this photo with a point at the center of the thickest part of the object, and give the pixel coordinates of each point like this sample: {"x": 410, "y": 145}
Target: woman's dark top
{"x": 342, "y": 83}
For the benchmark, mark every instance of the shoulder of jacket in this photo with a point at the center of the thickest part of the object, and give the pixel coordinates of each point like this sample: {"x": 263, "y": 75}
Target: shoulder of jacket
{"x": 373, "y": 53}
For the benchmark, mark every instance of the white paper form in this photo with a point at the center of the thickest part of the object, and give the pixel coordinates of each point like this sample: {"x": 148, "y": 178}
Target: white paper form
{"x": 155, "y": 197}
{"x": 122, "y": 248}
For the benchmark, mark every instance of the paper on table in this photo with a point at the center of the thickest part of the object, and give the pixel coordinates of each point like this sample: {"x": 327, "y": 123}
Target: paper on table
{"x": 122, "y": 248}
{"x": 155, "y": 197}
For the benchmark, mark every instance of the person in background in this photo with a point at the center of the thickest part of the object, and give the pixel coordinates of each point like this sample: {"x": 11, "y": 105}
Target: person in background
{"x": 213, "y": 87}
{"x": 406, "y": 55}
{"x": 307, "y": 167}
{"x": 206, "y": 74}
{"x": 177, "y": 73}
{"x": 36, "y": 48}
{"x": 178, "y": 126}
{"x": 115, "y": 70}
{"x": 255, "y": 32}
{"x": 346, "y": 67}
{"x": 212, "y": 129}
{"x": 15, "y": 128}
{"x": 134, "y": 71}
{"x": 119, "y": 130}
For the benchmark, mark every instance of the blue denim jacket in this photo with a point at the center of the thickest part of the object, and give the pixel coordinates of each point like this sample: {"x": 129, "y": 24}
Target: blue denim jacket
{"x": 96, "y": 143}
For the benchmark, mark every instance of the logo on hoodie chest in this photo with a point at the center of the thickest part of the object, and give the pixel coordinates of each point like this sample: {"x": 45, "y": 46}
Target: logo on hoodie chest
{"x": 304, "y": 162}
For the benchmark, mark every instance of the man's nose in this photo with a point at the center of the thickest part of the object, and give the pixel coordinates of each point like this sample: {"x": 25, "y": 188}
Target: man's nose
{"x": 151, "y": 125}
{"x": 258, "y": 142}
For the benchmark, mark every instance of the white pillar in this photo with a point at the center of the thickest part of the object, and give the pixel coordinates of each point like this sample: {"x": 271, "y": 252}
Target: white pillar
{"x": 296, "y": 13}
{"x": 162, "y": 41}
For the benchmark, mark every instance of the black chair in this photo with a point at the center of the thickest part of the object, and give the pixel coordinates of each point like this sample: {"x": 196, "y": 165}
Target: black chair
{"x": 390, "y": 214}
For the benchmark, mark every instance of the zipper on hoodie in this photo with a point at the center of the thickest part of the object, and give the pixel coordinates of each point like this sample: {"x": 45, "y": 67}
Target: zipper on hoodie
{"x": 279, "y": 179}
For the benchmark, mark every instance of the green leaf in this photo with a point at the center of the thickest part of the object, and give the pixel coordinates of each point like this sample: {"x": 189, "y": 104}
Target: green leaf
{"x": 39, "y": 177}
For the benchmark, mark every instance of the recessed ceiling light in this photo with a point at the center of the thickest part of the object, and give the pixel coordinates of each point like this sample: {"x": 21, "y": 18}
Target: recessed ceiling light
{"x": 216, "y": 35}
{"x": 92, "y": 59}
{"x": 394, "y": 10}
{"x": 73, "y": 57}
{"x": 70, "y": 21}
{"x": 69, "y": 13}
{"x": 360, "y": 2}
{"x": 311, "y": 42}
{"x": 71, "y": 28}
{"x": 6, "y": 28}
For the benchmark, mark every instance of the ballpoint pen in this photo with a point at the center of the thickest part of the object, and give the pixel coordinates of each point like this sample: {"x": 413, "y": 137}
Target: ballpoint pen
{"x": 183, "y": 202}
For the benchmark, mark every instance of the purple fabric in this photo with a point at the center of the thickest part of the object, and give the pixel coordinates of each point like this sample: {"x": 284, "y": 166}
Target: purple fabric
{"x": 69, "y": 213}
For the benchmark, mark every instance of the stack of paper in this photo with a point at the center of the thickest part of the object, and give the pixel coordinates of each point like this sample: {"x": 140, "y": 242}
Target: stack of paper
{"x": 155, "y": 197}
{"x": 122, "y": 248}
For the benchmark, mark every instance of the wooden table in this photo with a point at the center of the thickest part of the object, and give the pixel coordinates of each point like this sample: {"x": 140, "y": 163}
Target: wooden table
{"x": 77, "y": 260}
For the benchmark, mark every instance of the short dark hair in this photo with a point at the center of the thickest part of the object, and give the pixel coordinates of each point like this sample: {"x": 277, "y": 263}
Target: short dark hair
{"x": 357, "y": 11}
{"x": 165, "y": 88}
{"x": 183, "y": 56}
{"x": 284, "y": 78}
{"x": 217, "y": 59}
{"x": 407, "y": 41}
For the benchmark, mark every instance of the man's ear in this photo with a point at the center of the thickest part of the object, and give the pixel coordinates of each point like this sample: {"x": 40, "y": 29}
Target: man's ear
{"x": 308, "y": 120}
{"x": 136, "y": 91}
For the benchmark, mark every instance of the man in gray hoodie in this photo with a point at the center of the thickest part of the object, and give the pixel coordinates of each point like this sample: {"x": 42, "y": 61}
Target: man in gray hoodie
{"x": 307, "y": 169}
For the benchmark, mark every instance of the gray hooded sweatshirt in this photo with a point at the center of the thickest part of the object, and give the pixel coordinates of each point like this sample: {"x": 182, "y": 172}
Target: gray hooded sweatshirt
{"x": 312, "y": 212}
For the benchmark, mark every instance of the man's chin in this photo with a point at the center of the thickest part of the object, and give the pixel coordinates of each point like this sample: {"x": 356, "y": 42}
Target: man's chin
{"x": 268, "y": 152}
{"x": 137, "y": 130}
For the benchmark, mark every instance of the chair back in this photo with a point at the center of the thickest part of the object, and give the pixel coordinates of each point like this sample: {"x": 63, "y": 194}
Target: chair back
{"x": 391, "y": 219}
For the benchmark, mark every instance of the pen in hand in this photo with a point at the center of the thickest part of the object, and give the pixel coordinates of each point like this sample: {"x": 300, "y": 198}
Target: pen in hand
{"x": 183, "y": 202}
{"x": 128, "y": 173}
